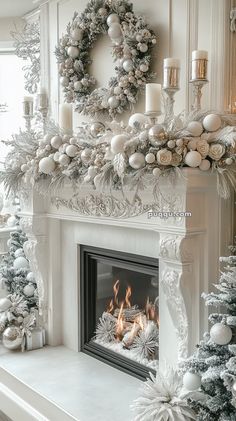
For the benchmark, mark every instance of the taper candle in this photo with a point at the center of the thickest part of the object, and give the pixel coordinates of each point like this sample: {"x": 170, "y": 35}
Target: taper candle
{"x": 171, "y": 73}
{"x": 199, "y": 65}
{"x": 65, "y": 117}
{"x": 153, "y": 98}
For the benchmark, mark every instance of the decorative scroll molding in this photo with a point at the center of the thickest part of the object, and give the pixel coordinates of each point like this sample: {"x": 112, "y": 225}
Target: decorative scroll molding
{"x": 175, "y": 247}
{"x": 170, "y": 281}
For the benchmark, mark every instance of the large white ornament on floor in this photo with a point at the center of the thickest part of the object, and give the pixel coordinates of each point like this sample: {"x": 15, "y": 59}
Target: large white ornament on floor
{"x": 118, "y": 143}
{"x": 221, "y": 334}
{"x": 47, "y": 165}
{"x": 5, "y": 304}
{"x": 212, "y": 122}
{"x": 12, "y": 337}
{"x": 191, "y": 381}
{"x": 20, "y": 263}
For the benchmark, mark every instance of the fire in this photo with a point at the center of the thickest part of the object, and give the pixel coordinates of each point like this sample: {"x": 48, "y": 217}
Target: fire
{"x": 127, "y": 296}
{"x": 110, "y": 307}
{"x": 150, "y": 311}
{"x": 120, "y": 322}
{"x": 116, "y": 288}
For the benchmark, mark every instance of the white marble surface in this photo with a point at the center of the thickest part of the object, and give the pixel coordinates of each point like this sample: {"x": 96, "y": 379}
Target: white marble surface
{"x": 81, "y": 385}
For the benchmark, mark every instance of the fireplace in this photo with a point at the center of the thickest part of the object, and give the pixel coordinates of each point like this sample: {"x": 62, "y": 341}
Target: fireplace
{"x": 119, "y": 301}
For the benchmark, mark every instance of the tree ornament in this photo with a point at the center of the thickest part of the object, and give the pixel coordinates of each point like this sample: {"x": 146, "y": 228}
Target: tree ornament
{"x": 12, "y": 337}
{"x": 64, "y": 159}
{"x": 156, "y": 172}
{"x": 221, "y": 334}
{"x": 193, "y": 159}
{"x": 5, "y": 304}
{"x": 205, "y": 165}
{"x": 137, "y": 160}
{"x": 212, "y": 122}
{"x": 128, "y": 65}
{"x": 136, "y": 120}
{"x": 157, "y": 135}
{"x": 195, "y": 128}
{"x": 56, "y": 142}
{"x": 86, "y": 155}
{"x": 114, "y": 31}
{"x": 24, "y": 167}
{"x": 19, "y": 252}
{"x": 29, "y": 290}
{"x": 73, "y": 52}
{"x": 20, "y": 263}
{"x": 191, "y": 381}
{"x": 64, "y": 81}
{"x": 92, "y": 171}
{"x": 118, "y": 143}
{"x": 11, "y": 222}
{"x": 71, "y": 151}
{"x": 56, "y": 156}
{"x": 113, "y": 102}
{"x": 30, "y": 277}
{"x": 46, "y": 165}
{"x": 76, "y": 34}
{"x": 113, "y": 18}
{"x": 192, "y": 145}
{"x": 229, "y": 161}
{"x": 150, "y": 158}
{"x": 97, "y": 129}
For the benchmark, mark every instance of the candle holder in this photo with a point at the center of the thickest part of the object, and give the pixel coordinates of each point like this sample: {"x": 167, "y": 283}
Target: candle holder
{"x": 153, "y": 116}
{"x": 197, "y": 93}
{"x": 169, "y": 103}
{"x": 28, "y": 113}
{"x": 43, "y": 108}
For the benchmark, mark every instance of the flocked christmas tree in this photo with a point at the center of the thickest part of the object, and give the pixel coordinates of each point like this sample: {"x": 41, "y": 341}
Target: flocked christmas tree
{"x": 213, "y": 367}
{"x": 18, "y": 309}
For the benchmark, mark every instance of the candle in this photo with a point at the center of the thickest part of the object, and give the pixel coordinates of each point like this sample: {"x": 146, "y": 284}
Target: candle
{"x": 153, "y": 98}
{"x": 171, "y": 73}
{"x": 199, "y": 65}
{"x": 28, "y": 106}
{"x": 65, "y": 117}
{"x": 42, "y": 98}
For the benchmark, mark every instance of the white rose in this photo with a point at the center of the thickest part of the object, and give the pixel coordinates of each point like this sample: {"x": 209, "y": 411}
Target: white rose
{"x": 203, "y": 147}
{"x": 176, "y": 159}
{"x": 216, "y": 151}
{"x": 164, "y": 157}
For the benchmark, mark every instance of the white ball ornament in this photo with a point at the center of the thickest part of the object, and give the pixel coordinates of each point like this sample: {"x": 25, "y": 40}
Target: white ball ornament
{"x": 191, "y": 381}
{"x": 221, "y": 334}
{"x": 29, "y": 290}
{"x": 113, "y": 18}
{"x": 11, "y": 222}
{"x": 117, "y": 90}
{"x": 193, "y": 159}
{"x": 86, "y": 155}
{"x": 24, "y": 167}
{"x": 56, "y": 142}
{"x": 114, "y": 31}
{"x": 137, "y": 118}
{"x": 113, "y": 102}
{"x": 77, "y": 85}
{"x": 64, "y": 160}
{"x": 47, "y": 138}
{"x": 19, "y": 252}
{"x": 143, "y": 136}
{"x": 195, "y": 128}
{"x": 5, "y": 304}
{"x": 128, "y": 65}
{"x": 144, "y": 68}
{"x": 56, "y": 156}
{"x": 30, "y": 277}
{"x": 229, "y": 161}
{"x": 192, "y": 145}
{"x": 64, "y": 81}
{"x": 171, "y": 144}
{"x": 212, "y": 123}
{"x": 92, "y": 171}
{"x": 46, "y": 165}
{"x": 66, "y": 138}
{"x": 77, "y": 34}
{"x": 21, "y": 263}
{"x": 71, "y": 150}
{"x": 150, "y": 158}
{"x": 137, "y": 160}
{"x": 156, "y": 172}
{"x": 143, "y": 48}
{"x": 73, "y": 52}
{"x": 118, "y": 143}
{"x": 205, "y": 165}
{"x": 73, "y": 141}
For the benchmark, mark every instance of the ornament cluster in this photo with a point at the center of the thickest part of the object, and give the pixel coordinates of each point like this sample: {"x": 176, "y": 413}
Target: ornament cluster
{"x": 132, "y": 42}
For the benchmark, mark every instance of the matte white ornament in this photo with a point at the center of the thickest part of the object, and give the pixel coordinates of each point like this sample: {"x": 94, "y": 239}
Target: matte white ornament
{"x": 46, "y": 165}
{"x": 73, "y": 141}
{"x": 30, "y": 277}
{"x": 64, "y": 81}
{"x": 191, "y": 381}
{"x": 86, "y": 155}
{"x": 77, "y": 85}
{"x": 20, "y": 263}
{"x": 47, "y": 138}
{"x": 229, "y": 161}
{"x": 113, "y": 102}
{"x": 192, "y": 145}
{"x": 64, "y": 160}
{"x": 195, "y": 128}
{"x": 143, "y": 48}
{"x": 137, "y": 160}
{"x": 137, "y": 118}
{"x": 128, "y": 65}
{"x": 114, "y": 31}
{"x": 212, "y": 122}
{"x": 77, "y": 34}
{"x": 193, "y": 159}
{"x": 171, "y": 144}
{"x": 56, "y": 156}
{"x": 5, "y": 304}
{"x": 113, "y": 18}
{"x": 56, "y": 142}
{"x": 19, "y": 252}
{"x": 11, "y": 222}
{"x": 118, "y": 143}
{"x": 66, "y": 138}
{"x": 24, "y": 167}
{"x": 29, "y": 290}
{"x": 150, "y": 158}
{"x": 205, "y": 165}
{"x": 156, "y": 172}
{"x": 73, "y": 52}
{"x": 92, "y": 171}
{"x": 71, "y": 150}
{"x": 221, "y": 334}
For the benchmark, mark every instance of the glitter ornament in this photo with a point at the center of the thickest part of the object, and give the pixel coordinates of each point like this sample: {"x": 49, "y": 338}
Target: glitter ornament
{"x": 5, "y": 304}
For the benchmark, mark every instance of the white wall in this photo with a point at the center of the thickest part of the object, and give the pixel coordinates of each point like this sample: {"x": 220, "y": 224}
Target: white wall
{"x": 6, "y": 26}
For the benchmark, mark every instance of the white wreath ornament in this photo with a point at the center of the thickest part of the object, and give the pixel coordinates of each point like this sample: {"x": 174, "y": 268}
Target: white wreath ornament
{"x": 132, "y": 42}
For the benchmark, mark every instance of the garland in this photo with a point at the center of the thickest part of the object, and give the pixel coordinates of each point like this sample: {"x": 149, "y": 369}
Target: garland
{"x": 115, "y": 157}
{"x": 132, "y": 42}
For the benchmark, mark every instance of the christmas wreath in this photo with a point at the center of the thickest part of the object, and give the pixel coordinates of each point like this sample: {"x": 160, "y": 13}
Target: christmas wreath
{"x": 132, "y": 42}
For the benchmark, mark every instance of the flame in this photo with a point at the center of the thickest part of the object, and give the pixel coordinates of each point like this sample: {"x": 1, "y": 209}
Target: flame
{"x": 140, "y": 322}
{"x": 127, "y": 296}
{"x": 120, "y": 323}
{"x": 150, "y": 310}
{"x": 110, "y": 308}
{"x": 116, "y": 288}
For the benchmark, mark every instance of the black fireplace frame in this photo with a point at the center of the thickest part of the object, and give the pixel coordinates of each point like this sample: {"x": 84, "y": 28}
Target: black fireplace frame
{"x": 88, "y": 257}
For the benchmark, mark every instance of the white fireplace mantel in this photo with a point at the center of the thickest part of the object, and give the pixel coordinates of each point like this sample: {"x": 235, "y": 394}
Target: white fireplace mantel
{"x": 188, "y": 249}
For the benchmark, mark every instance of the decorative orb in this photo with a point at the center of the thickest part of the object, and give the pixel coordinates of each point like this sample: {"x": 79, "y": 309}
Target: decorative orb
{"x": 11, "y": 222}
{"x": 92, "y": 171}
{"x": 24, "y": 167}
{"x": 157, "y": 135}
{"x": 47, "y": 138}
{"x": 117, "y": 90}
{"x": 21, "y": 263}
{"x": 137, "y": 160}
{"x": 156, "y": 172}
{"x": 5, "y": 304}
{"x": 191, "y": 381}
{"x": 19, "y": 252}
{"x": 221, "y": 334}
{"x": 114, "y": 31}
{"x": 192, "y": 145}
{"x": 113, "y": 102}
{"x": 76, "y": 34}
{"x": 143, "y": 136}
{"x": 56, "y": 142}
{"x": 66, "y": 138}
{"x": 56, "y": 156}
{"x": 144, "y": 68}
{"x": 150, "y": 158}
{"x": 71, "y": 150}
{"x": 195, "y": 128}
{"x": 229, "y": 161}
{"x": 118, "y": 143}
{"x": 128, "y": 65}
{"x": 193, "y": 159}
{"x": 86, "y": 155}
{"x": 73, "y": 141}
{"x": 137, "y": 119}
{"x": 73, "y": 52}
{"x": 205, "y": 165}
{"x": 143, "y": 48}
{"x": 179, "y": 142}
{"x": 171, "y": 144}
{"x": 30, "y": 277}
{"x": 64, "y": 159}
{"x": 64, "y": 81}
{"x": 212, "y": 122}
{"x": 97, "y": 129}
{"x": 113, "y": 18}
{"x": 46, "y": 165}
{"x": 29, "y": 290}
{"x": 12, "y": 337}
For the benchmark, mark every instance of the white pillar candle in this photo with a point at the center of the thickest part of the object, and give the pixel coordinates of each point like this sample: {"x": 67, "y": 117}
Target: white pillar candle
{"x": 65, "y": 117}
{"x": 171, "y": 73}
{"x": 42, "y": 98}
{"x": 153, "y": 98}
{"x": 28, "y": 106}
{"x": 199, "y": 65}
{"x": 199, "y": 55}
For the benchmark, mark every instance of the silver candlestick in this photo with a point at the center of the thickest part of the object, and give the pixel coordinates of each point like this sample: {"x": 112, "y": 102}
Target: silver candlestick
{"x": 197, "y": 93}
{"x": 198, "y": 76}
{"x": 169, "y": 103}
{"x": 171, "y": 73}
{"x": 153, "y": 116}
{"x": 28, "y": 112}
{"x": 42, "y": 100}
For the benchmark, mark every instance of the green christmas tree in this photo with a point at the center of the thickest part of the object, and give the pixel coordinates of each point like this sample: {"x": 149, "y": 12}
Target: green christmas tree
{"x": 212, "y": 369}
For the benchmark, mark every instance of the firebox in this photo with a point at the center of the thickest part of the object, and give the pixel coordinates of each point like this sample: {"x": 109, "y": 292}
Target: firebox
{"x": 119, "y": 305}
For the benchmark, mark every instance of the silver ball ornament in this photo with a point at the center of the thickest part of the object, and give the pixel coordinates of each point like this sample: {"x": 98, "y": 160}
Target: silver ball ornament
{"x": 128, "y": 65}
{"x": 97, "y": 129}
{"x": 113, "y": 102}
{"x": 221, "y": 334}
{"x": 113, "y": 18}
{"x": 12, "y": 337}
{"x": 64, "y": 81}
{"x": 73, "y": 52}
{"x": 157, "y": 135}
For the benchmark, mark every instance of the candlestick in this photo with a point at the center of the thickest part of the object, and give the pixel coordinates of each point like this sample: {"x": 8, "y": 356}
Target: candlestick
{"x": 153, "y": 98}
{"x": 170, "y": 85}
{"x": 198, "y": 76}
{"x": 28, "y": 111}
{"x": 42, "y": 102}
{"x": 65, "y": 117}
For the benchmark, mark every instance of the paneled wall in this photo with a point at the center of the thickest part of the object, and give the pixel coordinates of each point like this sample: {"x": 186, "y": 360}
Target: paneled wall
{"x": 181, "y": 26}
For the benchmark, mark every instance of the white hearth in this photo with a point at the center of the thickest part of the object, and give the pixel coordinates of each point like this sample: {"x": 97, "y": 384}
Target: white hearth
{"x": 187, "y": 248}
